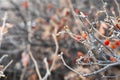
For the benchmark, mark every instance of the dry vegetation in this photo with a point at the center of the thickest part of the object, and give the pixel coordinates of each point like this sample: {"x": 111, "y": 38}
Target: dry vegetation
{"x": 60, "y": 39}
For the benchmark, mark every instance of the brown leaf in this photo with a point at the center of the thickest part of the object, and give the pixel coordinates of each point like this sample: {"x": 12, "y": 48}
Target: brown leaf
{"x": 5, "y": 30}
{"x": 9, "y": 25}
{"x": 25, "y": 59}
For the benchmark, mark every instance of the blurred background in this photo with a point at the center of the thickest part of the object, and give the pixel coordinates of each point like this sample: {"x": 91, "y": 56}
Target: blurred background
{"x": 39, "y": 19}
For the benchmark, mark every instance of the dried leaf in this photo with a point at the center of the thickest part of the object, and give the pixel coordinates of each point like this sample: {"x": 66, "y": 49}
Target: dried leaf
{"x": 25, "y": 59}
{"x": 9, "y": 25}
{"x": 5, "y": 30}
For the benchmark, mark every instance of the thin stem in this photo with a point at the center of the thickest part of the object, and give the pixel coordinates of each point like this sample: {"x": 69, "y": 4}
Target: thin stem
{"x": 3, "y": 27}
{"x": 3, "y": 57}
{"x": 7, "y": 65}
{"x": 56, "y": 51}
{"x": 47, "y": 69}
{"x": 102, "y": 69}
{"x": 61, "y": 56}
{"x": 117, "y": 6}
{"x": 71, "y": 6}
{"x": 88, "y": 74}
{"x": 35, "y": 63}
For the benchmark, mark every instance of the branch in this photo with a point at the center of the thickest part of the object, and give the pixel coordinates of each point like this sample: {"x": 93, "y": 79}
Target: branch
{"x": 61, "y": 56}
{"x": 35, "y": 63}
{"x": 3, "y": 27}
{"x": 56, "y": 51}
{"x": 88, "y": 74}
{"x": 47, "y": 69}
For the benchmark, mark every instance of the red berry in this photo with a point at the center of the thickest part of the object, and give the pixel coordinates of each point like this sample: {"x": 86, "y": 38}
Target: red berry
{"x": 25, "y": 4}
{"x": 79, "y": 54}
{"x": 112, "y": 59}
{"x": 106, "y": 42}
{"x": 117, "y": 42}
{"x": 84, "y": 35}
{"x": 112, "y": 46}
{"x": 77, "y": 37}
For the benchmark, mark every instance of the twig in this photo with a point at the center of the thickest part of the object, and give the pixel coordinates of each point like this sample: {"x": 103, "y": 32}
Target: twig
{"x": 61, "y": 56}
{"x": 102, "y": 69}
{"x": 71, "y": 6}
{"x": 29, "y": 48}
{"x": 7, "y": 65}
{"x": 3, "y": 27}
{"x": 56, "y": 51}
{"x": 3, "y": 57}
{"x": 47, "y": 69}
{"x": 88, "y": 74}
{"x": 22, "y": 74}
{"x": 35, "y": 63}
{"x": 117, "y": 6}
